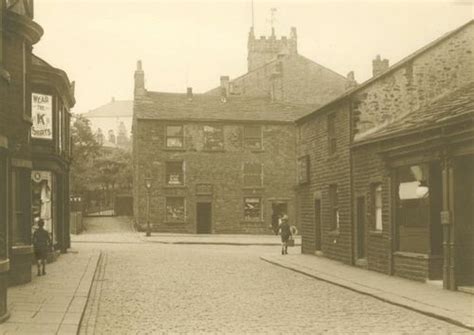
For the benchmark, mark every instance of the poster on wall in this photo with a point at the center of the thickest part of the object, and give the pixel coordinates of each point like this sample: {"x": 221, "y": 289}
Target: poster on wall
{"x": 42, "y": 198}
{"x": 42, "y": 115}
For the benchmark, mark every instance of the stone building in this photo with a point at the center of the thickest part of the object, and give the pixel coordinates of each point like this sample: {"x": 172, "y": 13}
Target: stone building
{"x": 217, "y": 164}
{"x": 275, "y": 69}
{"x": 112, "y": 123}
{"x": 26, "y": 119}
{"x": 385, "y": 163}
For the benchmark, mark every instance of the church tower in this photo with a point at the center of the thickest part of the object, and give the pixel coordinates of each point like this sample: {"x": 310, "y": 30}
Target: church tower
{"x": 265, "y": 49}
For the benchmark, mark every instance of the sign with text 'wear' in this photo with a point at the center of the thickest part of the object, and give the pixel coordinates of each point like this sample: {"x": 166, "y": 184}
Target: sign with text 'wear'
{"x": 42, "y": 114}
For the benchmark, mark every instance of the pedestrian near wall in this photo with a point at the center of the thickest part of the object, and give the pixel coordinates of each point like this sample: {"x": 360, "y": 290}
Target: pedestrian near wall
{"x": 285, "y": 233}
{"x": 41, "y": 244}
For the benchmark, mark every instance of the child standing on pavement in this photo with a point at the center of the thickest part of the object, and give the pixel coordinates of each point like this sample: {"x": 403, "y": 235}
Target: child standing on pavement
{"x": 285, "y": 233}
{"x": 41, "y": 243}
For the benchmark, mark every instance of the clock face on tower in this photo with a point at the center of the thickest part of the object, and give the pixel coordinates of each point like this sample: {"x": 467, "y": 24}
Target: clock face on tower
{"x": 22, "y": 7}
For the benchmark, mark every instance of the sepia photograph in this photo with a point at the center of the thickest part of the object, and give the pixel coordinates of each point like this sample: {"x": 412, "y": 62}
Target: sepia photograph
{"x": 237, "y": 167}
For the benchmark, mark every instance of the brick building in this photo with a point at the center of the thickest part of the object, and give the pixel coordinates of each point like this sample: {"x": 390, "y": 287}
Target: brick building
{"x": 20, "y": 120}
{"x": 276, "y": 69}
{"x": 217, "y": 164}
{"x": 368, "y": 149}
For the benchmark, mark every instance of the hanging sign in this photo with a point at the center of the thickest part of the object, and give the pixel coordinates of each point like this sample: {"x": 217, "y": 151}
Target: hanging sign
{"x": 42, "y": 114}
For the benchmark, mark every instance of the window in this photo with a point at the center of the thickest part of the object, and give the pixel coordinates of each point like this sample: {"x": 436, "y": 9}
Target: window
{"x": 377, "y": 206}
{"x": 213, "y": 138}
{"x": 174, "y": 137}
{"x": 332, "y": 140}
{"x": 21, "y": 205}
{"x": 303, "y": 170}
{"x": 333, "y": 200}
{"x": 253, "y": 175}
{"x": 253, "y": 137}
{"x": 413, "y": 208}
{"x": 60, "y": 129}
{"x": 253, "y": 209}
{"x": 175, "y": 209}
{"x": 174, "y": 173}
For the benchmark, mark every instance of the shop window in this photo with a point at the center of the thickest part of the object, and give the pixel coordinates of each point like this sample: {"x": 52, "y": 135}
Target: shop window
{"x": 377, "y": 206}
{"x": 213, "y": 138}
{"x": 175, "y": 209}
{"x": 413, "y": 209}
{"x": 43, "y": 202}
{"x": 253, "y": 137}
{"x": 303, "y": 170}
{"x": 21, "y": 206}
{"x": 334, "y": 207}
{"x": 174, "y": 136}
{"x": 175, "y": 173}
{"x": 332, "y": 139}
{"x": 253, "y": 209}
{"x": 253, "y": 175}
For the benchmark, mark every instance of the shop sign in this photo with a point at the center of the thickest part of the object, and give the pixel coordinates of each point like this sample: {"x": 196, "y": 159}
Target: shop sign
{"x": 42, "y": 114}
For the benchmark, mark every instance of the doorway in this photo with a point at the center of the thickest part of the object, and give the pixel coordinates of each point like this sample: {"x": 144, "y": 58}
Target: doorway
{"x": 204, "y": 217}
{"x": 279, "y": 209}
{"x": 464, "y": 220}
{"x": 317, "y": 225}
{"x": 361, "y": 236}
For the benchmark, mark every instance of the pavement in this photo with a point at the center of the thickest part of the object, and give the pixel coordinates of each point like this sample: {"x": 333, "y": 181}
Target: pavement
{"x": 53, "y": 303}
{"x": 454, "y": 307}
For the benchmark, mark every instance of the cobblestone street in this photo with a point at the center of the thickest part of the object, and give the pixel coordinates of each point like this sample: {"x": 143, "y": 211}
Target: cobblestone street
{"x": 159, "y": 288}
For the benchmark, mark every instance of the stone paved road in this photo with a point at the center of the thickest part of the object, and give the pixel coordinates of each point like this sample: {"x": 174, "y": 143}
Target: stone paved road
{"x": 154, "y": 288}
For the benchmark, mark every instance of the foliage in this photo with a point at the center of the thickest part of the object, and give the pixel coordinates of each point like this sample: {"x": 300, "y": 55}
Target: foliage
{"x": 95, "y": 167}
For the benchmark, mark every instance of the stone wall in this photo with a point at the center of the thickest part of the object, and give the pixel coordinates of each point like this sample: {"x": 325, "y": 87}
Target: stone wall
{"x": 445, "y": 67}
{"x": 222, "y": 169}
{"x": 326, "y": 169}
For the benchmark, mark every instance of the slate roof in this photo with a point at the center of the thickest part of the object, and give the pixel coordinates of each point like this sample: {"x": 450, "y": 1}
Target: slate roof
{"x": 204, "y": 107}
{"x": 115, "y": 108}
{"x": 450, "y": 107}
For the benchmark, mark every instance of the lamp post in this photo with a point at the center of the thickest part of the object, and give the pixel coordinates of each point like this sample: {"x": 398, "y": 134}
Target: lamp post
{"x": 148, "y": 189}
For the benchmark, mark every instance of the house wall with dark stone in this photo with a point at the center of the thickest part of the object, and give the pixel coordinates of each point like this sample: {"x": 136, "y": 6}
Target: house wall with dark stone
{"x": 326, "y": 169}
{"x": 444, "y": 67}
{"x": 222, "y": 169}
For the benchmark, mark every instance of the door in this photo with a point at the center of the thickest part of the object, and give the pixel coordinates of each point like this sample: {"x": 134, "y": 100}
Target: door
{"x": 204, "y": 217}
{"x": 317, "y": 225}
{"x": 361, "y": 236}
{"x": 279, "y": 209}
{"x": 464, "y": 220}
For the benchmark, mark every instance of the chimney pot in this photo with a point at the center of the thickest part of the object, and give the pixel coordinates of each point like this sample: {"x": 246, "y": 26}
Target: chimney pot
{"x": 224, "y": 87}
{"x": 189, "y": 93}
{"x": 379, "y": 65}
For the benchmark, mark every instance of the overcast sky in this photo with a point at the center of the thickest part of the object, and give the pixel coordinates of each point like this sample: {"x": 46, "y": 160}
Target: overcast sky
{"x": 192, "y": 43}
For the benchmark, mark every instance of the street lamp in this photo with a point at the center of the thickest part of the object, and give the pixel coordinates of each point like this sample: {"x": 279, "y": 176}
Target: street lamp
{"x": 148, "y": 189}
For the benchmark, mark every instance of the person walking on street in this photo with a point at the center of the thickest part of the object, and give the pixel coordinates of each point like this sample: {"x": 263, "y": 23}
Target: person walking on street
{"x": 41, "y": 243}
{"x": 285, "y": 233}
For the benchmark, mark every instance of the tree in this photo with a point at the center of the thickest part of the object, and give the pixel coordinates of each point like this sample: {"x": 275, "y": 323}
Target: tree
{"x": 85, "y": 149}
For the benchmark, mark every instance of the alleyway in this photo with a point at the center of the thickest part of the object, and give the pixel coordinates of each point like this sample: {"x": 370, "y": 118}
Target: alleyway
{"x": 153, "y": 288}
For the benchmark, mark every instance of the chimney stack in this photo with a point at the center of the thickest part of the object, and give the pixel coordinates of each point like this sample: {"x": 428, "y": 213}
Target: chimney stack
{"x": 139, "y": 79}
{"x": 224, "y": 88}
{"x": 379, "y": 65}
{"x": 189, "y": 94}
{"x": 351, "y": 82}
